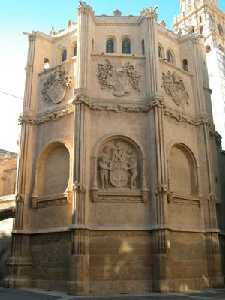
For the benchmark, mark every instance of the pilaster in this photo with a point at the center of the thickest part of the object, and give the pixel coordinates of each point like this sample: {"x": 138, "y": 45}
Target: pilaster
{"x": 79, "y": 271}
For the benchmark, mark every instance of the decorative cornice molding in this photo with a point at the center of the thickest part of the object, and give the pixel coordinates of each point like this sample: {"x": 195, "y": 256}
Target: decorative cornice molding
{"x": 179, "y": 116}
{"x": 47, "y": 116}
{"x": 156, "y": 101}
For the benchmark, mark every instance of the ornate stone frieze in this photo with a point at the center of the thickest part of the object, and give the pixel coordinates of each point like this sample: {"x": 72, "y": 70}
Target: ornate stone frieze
{"x": 45, "y": 117}
{"x": 175, "y": 88}
{"x": 121, "y": 107}
{"x": 121, "y": 80}
{"x": 56, "y": 85}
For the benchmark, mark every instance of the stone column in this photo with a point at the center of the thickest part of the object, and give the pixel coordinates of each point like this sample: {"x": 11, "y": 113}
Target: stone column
{"x": 20, "y": 263}
{"x": 79, "y": 270}
{"x": 159, "y": 196}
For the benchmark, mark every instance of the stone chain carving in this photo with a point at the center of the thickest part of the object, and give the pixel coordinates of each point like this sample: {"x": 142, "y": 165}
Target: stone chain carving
{"x": 118, "y": 79}
{"x": 175, "y": 88}
{"x": 118, "y": 166}
{"x": 48, "y": 116}
{"x": 56, "y": 85}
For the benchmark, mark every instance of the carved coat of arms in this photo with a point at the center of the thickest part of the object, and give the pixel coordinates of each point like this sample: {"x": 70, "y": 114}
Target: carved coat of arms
{"x": 175, "y": 88}
{"x": 118, "y": 166}
{"x": 56, "y": 85}
{"x": 119, "y": 79}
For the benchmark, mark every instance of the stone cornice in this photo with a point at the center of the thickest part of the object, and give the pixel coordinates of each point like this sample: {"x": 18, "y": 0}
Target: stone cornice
{"x": 47, "y": 116}
{"x": 146, "y": 107}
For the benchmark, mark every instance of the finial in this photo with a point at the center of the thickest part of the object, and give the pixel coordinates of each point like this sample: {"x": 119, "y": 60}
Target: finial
{"x": 150, "y": 12}
{"x": 117, "y": 13}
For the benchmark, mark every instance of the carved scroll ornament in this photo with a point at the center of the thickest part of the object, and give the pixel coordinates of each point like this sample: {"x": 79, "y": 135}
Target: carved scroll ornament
{"x": 56, "y": 86}
{"x": 175, "y": 88}
{"x": 118, "y": 79}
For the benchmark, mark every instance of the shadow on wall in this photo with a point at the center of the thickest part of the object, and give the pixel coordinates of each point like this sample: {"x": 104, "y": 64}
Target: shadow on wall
{"x": 5, "y": 246}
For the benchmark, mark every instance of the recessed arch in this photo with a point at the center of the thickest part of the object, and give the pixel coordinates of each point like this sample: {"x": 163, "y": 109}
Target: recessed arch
{"x": 182, "y": 170}
{"x": 53, "y": 170}
{"x": 135, "y": 158}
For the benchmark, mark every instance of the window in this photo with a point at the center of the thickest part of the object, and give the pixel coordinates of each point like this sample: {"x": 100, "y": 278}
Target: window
{"x": 93, "y": 44}
{"x": 201, "y": 29}
{"x": 208, "y": 49}
{"x": 185, "y": 64}
{"x": 110, "y": 45}
{"x": 75, "y": 49}
{"x": 220, "y": 29}
{"x": 170, "y": 57}
{"x": 160, "y": 52}
{"x": 46, "y": 63}
{"x": 64, "y": 55}
{"x": 143, "y": 47}
{"x": 126, "y": 46}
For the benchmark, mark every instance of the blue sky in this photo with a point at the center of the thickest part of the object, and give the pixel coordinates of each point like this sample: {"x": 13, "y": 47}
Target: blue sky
{"x": 17, "y": 16}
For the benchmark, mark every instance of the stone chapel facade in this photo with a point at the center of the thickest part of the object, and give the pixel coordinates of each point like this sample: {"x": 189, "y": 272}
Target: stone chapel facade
{"x": 119, "y": 174}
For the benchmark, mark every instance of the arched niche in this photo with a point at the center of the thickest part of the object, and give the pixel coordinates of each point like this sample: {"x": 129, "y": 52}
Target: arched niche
{"x": 118, "y": 171}
{"x": 183, "y": 178}
{"x": 52, "y": 172}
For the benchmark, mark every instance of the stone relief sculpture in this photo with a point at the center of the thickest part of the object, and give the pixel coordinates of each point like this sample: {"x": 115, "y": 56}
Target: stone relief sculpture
{"x": 118, "y": 166}
{"x": 56, "y": 86}
{"x": 175, "y": 88}
{"x": 118, "y": 79}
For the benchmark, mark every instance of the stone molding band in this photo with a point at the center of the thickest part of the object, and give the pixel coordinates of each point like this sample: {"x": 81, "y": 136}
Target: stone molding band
{"x": 118, "y": 108}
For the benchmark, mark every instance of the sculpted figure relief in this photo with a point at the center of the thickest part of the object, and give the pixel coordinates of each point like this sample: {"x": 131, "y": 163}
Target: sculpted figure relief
{"x": 56, "y": 85}
{"x": 119, "y": 79}
{"x": 175, "y": 88}
{"x": 118, "y": 166}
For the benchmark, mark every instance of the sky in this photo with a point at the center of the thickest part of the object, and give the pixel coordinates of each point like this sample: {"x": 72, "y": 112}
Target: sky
{"x": 18, "y": 16}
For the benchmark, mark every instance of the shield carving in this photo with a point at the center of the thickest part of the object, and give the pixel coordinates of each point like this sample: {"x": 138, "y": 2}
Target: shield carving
{"x": 56, "y": 92}
{"x": 119, "y": 174}
{"x": 55, "y": 86}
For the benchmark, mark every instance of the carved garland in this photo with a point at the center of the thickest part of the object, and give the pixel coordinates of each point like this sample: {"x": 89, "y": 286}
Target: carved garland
{"x": 48, "y": 116}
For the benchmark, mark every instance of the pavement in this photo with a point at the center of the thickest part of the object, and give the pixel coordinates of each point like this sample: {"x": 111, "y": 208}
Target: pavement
{"x": 33, "y": 294}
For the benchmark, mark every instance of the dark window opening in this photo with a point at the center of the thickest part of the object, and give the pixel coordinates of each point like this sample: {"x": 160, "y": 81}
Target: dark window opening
{"x": 110, "y": 46}
{"x": 126, "y": 46}
{"x": 64, "y": 55}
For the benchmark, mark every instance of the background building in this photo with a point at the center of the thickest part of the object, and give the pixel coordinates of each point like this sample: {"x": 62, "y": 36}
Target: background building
{"x": 204, "y": 17}
{"x": 8, "y": 162}
{"x": 119, "y": 172}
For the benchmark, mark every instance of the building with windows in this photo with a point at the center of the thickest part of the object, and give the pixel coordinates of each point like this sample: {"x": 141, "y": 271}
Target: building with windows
{"x": 203, "y": 17}
{"x": 120, "y": 171}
